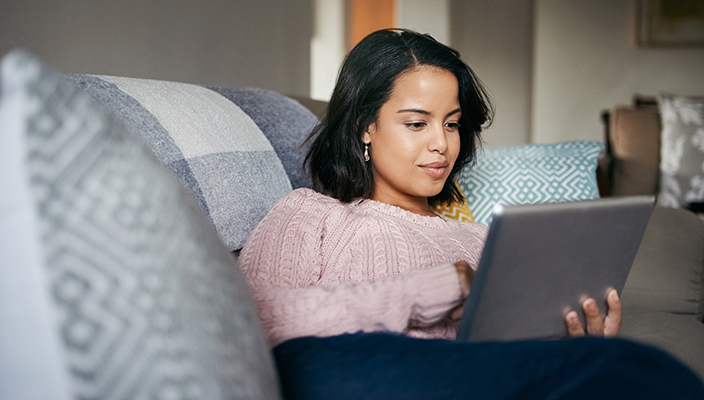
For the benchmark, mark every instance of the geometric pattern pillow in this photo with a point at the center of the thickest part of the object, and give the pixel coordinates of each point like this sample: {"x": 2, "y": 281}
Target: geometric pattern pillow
{"x": 217, "y": 151}
{"x": 114, "y": 284}
{"x": 681, "y": 151}
{"x": 530, "y": 174}
{"x": 458, "y": 212}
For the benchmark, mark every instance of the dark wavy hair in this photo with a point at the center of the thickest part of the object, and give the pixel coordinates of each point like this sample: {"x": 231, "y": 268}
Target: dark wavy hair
{"x": 335, "y": 159}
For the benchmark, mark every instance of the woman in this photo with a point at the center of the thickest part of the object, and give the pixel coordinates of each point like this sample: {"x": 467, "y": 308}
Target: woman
{"x": 365, "y": 255}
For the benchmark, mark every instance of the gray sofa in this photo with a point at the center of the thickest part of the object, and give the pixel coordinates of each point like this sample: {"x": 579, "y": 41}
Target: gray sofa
{"x": 663, "y": 295}
{"x": 662, "y": 300}
{"x": 124, "y": 203}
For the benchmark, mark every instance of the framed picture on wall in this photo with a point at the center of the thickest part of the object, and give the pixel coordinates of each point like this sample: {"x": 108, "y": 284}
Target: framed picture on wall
{"x": 670, "y": 22}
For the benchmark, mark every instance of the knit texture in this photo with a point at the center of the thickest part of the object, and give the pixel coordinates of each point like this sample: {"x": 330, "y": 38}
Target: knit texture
{"x": 320, "y": 267}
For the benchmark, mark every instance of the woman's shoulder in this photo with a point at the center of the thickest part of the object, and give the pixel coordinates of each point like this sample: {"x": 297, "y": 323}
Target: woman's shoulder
{"x": 303, "y": 207}
{"x": 306, "y": 200}
{"x": 296, "y": 221}
{"x": 306, "y": 193}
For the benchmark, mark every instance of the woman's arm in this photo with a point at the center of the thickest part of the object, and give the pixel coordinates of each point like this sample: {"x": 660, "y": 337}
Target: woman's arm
{"x": 389, "y": 304}
{"x": 283, "y": 263}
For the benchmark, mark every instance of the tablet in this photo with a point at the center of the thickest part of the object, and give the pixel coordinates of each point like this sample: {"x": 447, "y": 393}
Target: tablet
{"x": 540, "y": 261}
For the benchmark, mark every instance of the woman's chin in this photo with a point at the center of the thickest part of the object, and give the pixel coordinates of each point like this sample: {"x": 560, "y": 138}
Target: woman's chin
{"x": 432, "y": 191}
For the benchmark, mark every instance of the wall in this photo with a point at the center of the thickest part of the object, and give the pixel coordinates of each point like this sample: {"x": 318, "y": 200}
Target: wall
{"x": 551, "y": 65}
{"x": 327, "y": 47}
{"x": 261, "y": 43}
{"x": 496, "y": 40}
{"x": 330, "y": 45}
{"x": 424, "y": 16}
{"x": 585, "y": 61}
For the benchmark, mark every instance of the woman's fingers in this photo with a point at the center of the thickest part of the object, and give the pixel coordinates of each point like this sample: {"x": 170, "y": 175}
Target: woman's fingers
{"x": 612, "y": 323}
{"x": 574, "y": 327}
{"x": 595, "y": 325}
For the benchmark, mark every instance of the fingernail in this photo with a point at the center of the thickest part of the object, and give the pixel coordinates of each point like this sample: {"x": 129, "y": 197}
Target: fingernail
{"x": 591, "y": 305}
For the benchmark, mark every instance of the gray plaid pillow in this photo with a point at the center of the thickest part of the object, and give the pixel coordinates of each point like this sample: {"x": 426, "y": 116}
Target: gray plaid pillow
{"x": 113, "y": 283}
{"x": 681, "y": 150}
{"x": 214, "y": 147}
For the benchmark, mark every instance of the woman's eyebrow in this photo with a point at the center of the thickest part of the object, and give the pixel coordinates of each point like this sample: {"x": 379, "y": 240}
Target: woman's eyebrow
{"x": 419, "y": 111}
{"x": 455, "y": 111}
{"x": 414, "y": 110}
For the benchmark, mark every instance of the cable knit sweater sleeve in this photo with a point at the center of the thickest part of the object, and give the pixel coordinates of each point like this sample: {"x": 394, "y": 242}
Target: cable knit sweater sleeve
{"x": 283, "y": 263}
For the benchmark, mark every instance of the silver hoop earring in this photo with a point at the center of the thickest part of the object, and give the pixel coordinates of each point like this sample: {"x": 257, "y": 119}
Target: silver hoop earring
{"x": 366, "y": 152}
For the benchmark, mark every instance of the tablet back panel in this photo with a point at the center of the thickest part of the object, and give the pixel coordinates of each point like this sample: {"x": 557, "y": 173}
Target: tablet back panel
{"x": 540, "y": 261}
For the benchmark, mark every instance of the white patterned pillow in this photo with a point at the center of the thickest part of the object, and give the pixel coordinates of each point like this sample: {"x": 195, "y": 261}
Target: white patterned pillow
{"x": 113, "y": 283}
{"x": 681, "y": 150}
{"x": 530, "y": 174}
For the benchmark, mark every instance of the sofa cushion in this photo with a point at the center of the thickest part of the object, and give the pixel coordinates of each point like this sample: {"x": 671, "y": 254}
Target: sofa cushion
{"x": 682, "y": 150}
{"x": 317, "y": 107}
{"x": 668, "y": 272}
{"x": 530, "y": 174}
{"x": 113, "y": 284}
{"x": 679, "y": 335}
{"x": 285, "y": 122}
{"x": 217, "y": 151}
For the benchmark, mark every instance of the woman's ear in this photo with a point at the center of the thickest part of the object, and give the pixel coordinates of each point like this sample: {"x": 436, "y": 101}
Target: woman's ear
{"x": 366, "y": 138}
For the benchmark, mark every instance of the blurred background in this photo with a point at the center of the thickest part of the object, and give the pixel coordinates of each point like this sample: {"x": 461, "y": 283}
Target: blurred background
{"x": 551, "y": 65}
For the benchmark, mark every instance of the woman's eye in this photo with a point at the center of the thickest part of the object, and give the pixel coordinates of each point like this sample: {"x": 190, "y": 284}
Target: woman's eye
{"x": 415, "y": 126}
{"x": 452, "y": 126}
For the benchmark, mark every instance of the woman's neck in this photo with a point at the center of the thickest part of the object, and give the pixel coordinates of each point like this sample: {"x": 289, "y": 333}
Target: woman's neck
{"x": 416, "y": 205}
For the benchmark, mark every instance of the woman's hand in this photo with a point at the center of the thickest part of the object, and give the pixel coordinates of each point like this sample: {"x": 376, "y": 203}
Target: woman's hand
{"x": 608, "y": 327}
{"x": 466, "y": 275}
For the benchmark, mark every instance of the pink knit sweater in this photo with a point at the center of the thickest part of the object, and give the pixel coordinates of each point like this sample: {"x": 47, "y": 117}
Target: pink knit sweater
{"x": 320, "y": 267}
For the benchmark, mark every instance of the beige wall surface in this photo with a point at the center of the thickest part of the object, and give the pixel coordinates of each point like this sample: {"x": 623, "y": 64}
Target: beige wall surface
{"x": 551, "y": 65}
{"x": 585, "y": 61}
{"x": 425, "y": 16}
{"x": 257, "y": 43}
{"x": 496, "y": 40}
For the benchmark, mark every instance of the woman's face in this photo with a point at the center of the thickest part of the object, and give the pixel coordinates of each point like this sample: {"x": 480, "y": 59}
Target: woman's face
{"x": 415, "y": 141}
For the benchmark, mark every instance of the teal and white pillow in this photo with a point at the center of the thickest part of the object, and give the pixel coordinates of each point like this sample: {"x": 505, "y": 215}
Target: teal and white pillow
{"x": 530, "y": 174}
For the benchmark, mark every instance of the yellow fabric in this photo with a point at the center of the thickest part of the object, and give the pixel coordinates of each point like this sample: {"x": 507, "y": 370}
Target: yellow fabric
{"x": 460, "y": 212}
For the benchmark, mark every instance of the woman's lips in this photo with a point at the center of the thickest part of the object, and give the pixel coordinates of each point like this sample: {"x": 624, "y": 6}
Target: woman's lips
{"x": 435, "y": 169}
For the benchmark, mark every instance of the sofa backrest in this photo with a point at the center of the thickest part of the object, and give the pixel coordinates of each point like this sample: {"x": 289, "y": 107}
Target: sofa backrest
{"x": 633, "y": 140}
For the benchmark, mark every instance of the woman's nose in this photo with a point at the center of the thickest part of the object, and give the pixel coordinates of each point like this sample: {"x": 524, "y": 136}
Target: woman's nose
{"x": 438, "y": 141}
